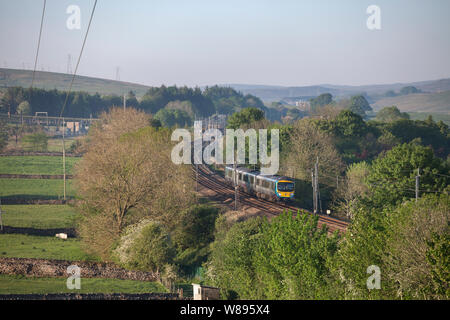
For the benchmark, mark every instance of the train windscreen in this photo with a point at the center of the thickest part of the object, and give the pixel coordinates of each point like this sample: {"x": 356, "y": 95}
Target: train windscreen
{"x": 286, "y": 186}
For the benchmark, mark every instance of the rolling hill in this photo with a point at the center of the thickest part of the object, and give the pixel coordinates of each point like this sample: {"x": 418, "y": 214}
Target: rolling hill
{"x": 418, "y": 102}
{"x": 61, "y": 81}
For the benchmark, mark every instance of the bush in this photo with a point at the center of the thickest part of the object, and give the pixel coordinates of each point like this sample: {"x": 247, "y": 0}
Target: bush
{"x": 151, "y": 250}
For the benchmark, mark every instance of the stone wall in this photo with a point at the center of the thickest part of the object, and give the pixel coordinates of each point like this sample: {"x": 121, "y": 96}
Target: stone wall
{"x": 94, "y": 296}
{"x": 58, "y": 268}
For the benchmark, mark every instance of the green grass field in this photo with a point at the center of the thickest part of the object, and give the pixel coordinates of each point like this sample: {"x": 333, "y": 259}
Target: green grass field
{"x": 39, "y": 216}
{"x": 22, "y": 285}
{"x": 35, "y": 188}
{"x": 55, "y": 145}
{"x": 25, "y": 246}
{"x": 36, "y": 164}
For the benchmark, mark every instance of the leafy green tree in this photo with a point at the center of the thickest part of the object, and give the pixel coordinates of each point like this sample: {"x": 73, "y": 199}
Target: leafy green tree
{"x": 172, "y": 117}
{"x": 349, "y": 124}
{"x": 390, "y": 114}
{"x": 230, "y": 265}
{"x": 392, "y": 176}
{"x": 390, "y": 93}
{"x": 360, "y": 100}
{"x": 246, "y": 116}
{"x": 292, "y": 258}
{"x": 4, "y": 133}
{"x": 417, "y": 248}
{"x": 24, "y": 108}
{"x": 320, "y": 101}
{"x": 151, "y": 250}
{"x": 409, "y": 90}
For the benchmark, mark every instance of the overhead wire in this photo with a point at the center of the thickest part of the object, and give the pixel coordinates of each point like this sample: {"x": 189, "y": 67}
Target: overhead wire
{"x": 39, "y": 44}
{"x": 78, "y": 61}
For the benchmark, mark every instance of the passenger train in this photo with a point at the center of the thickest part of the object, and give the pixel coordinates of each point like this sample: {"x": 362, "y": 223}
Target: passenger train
{"x": 273, "y": 188}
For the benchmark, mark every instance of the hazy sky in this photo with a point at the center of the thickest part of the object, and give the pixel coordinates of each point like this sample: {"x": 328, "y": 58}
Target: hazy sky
{"x": 277, "y": 42}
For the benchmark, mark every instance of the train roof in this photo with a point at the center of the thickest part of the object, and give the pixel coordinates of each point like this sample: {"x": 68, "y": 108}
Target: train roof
{"x": 259, "y": 174}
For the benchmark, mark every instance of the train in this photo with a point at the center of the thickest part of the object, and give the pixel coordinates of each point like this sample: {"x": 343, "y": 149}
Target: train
{"x": 274, "y": 188}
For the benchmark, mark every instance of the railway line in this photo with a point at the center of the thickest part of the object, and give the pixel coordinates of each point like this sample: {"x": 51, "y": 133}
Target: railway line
{"x": 211, "y": 180}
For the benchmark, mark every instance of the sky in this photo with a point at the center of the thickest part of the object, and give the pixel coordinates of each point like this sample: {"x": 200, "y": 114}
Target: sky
{"x": 196, "y": 43}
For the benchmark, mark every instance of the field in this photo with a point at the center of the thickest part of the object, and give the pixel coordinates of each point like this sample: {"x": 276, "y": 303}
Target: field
{"x": 22, "y": 285}
{"x": 36, "y": 165}
{"x": 25, "y": 246}
{"x": 419, "y": 102}
{"x": 60, "y": 81}
{"x": 47, "y": 219}
{"x": 38, "y": 216}
{"x": 35, "y": 188}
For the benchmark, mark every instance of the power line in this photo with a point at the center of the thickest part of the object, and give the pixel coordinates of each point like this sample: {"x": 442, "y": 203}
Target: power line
{"x": 39, "y": 44}
{"x": 79, "y": 58}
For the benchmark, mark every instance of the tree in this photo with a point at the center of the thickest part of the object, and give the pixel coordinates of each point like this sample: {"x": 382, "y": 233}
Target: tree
{"x": 4, "y": 133}
{"x": 307, "y": 144}
{"x": 320, "y": 101}
{"x": 173, "y": 117}
{"x": 390, "y": 114}
{"x": 231, "y": 266}
{"x": 417, "y": 255}
{"x": 126, "y": 167}
{"x": 24, "y": 108}
{"x": 349, "y": 124}
{"x": 353, "y": 189}
{"x": 292, "y": 258}
{"x": 246, "y": 116}
{"x": 151, "y": 250}
{"x": 392, "y": 174}
{"x": 409, "y": 90}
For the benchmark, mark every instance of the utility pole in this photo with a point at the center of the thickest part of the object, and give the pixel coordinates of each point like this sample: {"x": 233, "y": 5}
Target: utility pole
{"x": 1, "y": 221}
{"x": 196, "y": 177}
{"x": 236, "y": 187}
{"x": 64, "y": 159}
{"x": 319, "y": 201}
{"x": 314, "y": 191}
{"x": 124, "y": 102}
{"x": 417, "y": 184}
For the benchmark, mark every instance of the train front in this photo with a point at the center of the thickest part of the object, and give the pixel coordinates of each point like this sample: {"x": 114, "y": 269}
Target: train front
{"x": 285, "y": 189}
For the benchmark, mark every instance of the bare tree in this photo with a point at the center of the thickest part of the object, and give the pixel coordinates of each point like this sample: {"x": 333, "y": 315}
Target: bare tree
{"x": 127, "y": 166}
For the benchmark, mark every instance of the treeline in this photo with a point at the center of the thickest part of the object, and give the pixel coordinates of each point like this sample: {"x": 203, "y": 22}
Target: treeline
{"x": 191, "y": 102}
{"x": 395, "y": 247}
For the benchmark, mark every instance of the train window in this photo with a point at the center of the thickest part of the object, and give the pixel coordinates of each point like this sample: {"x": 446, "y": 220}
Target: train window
{"x": 245, "y": 178}
{"x": 252, "y": 179}
{"x": 240, "y": 176}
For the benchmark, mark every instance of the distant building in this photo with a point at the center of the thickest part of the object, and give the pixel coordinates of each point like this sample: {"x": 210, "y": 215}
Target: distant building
{"x": 205, "y": 292}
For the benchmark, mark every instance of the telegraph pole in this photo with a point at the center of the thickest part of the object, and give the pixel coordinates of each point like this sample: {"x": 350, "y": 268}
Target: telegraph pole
{"x": 236, "y": 191}
{"x": 314, "y": 190}
{"x": 196, "y": 177}
{"x": 417, "y": 184}
{"x": 124, "y": 102}
{"x": 64, "y": 159}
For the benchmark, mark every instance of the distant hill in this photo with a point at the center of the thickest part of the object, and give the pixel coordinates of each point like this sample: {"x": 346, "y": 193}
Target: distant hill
{"x": 61, "y": 81}
{"x": 418, "y": 102}
{"x": 377, "y": 91}
{"x": 435, "y": 97}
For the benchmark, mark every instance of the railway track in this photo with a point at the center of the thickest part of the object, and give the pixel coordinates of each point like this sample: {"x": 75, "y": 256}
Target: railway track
{"x": 210, "y": 180}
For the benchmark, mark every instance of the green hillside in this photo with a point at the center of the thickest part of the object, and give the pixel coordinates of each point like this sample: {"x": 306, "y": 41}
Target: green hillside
{"x": 419, "y": 102}
{"x": 61, "y": 81}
